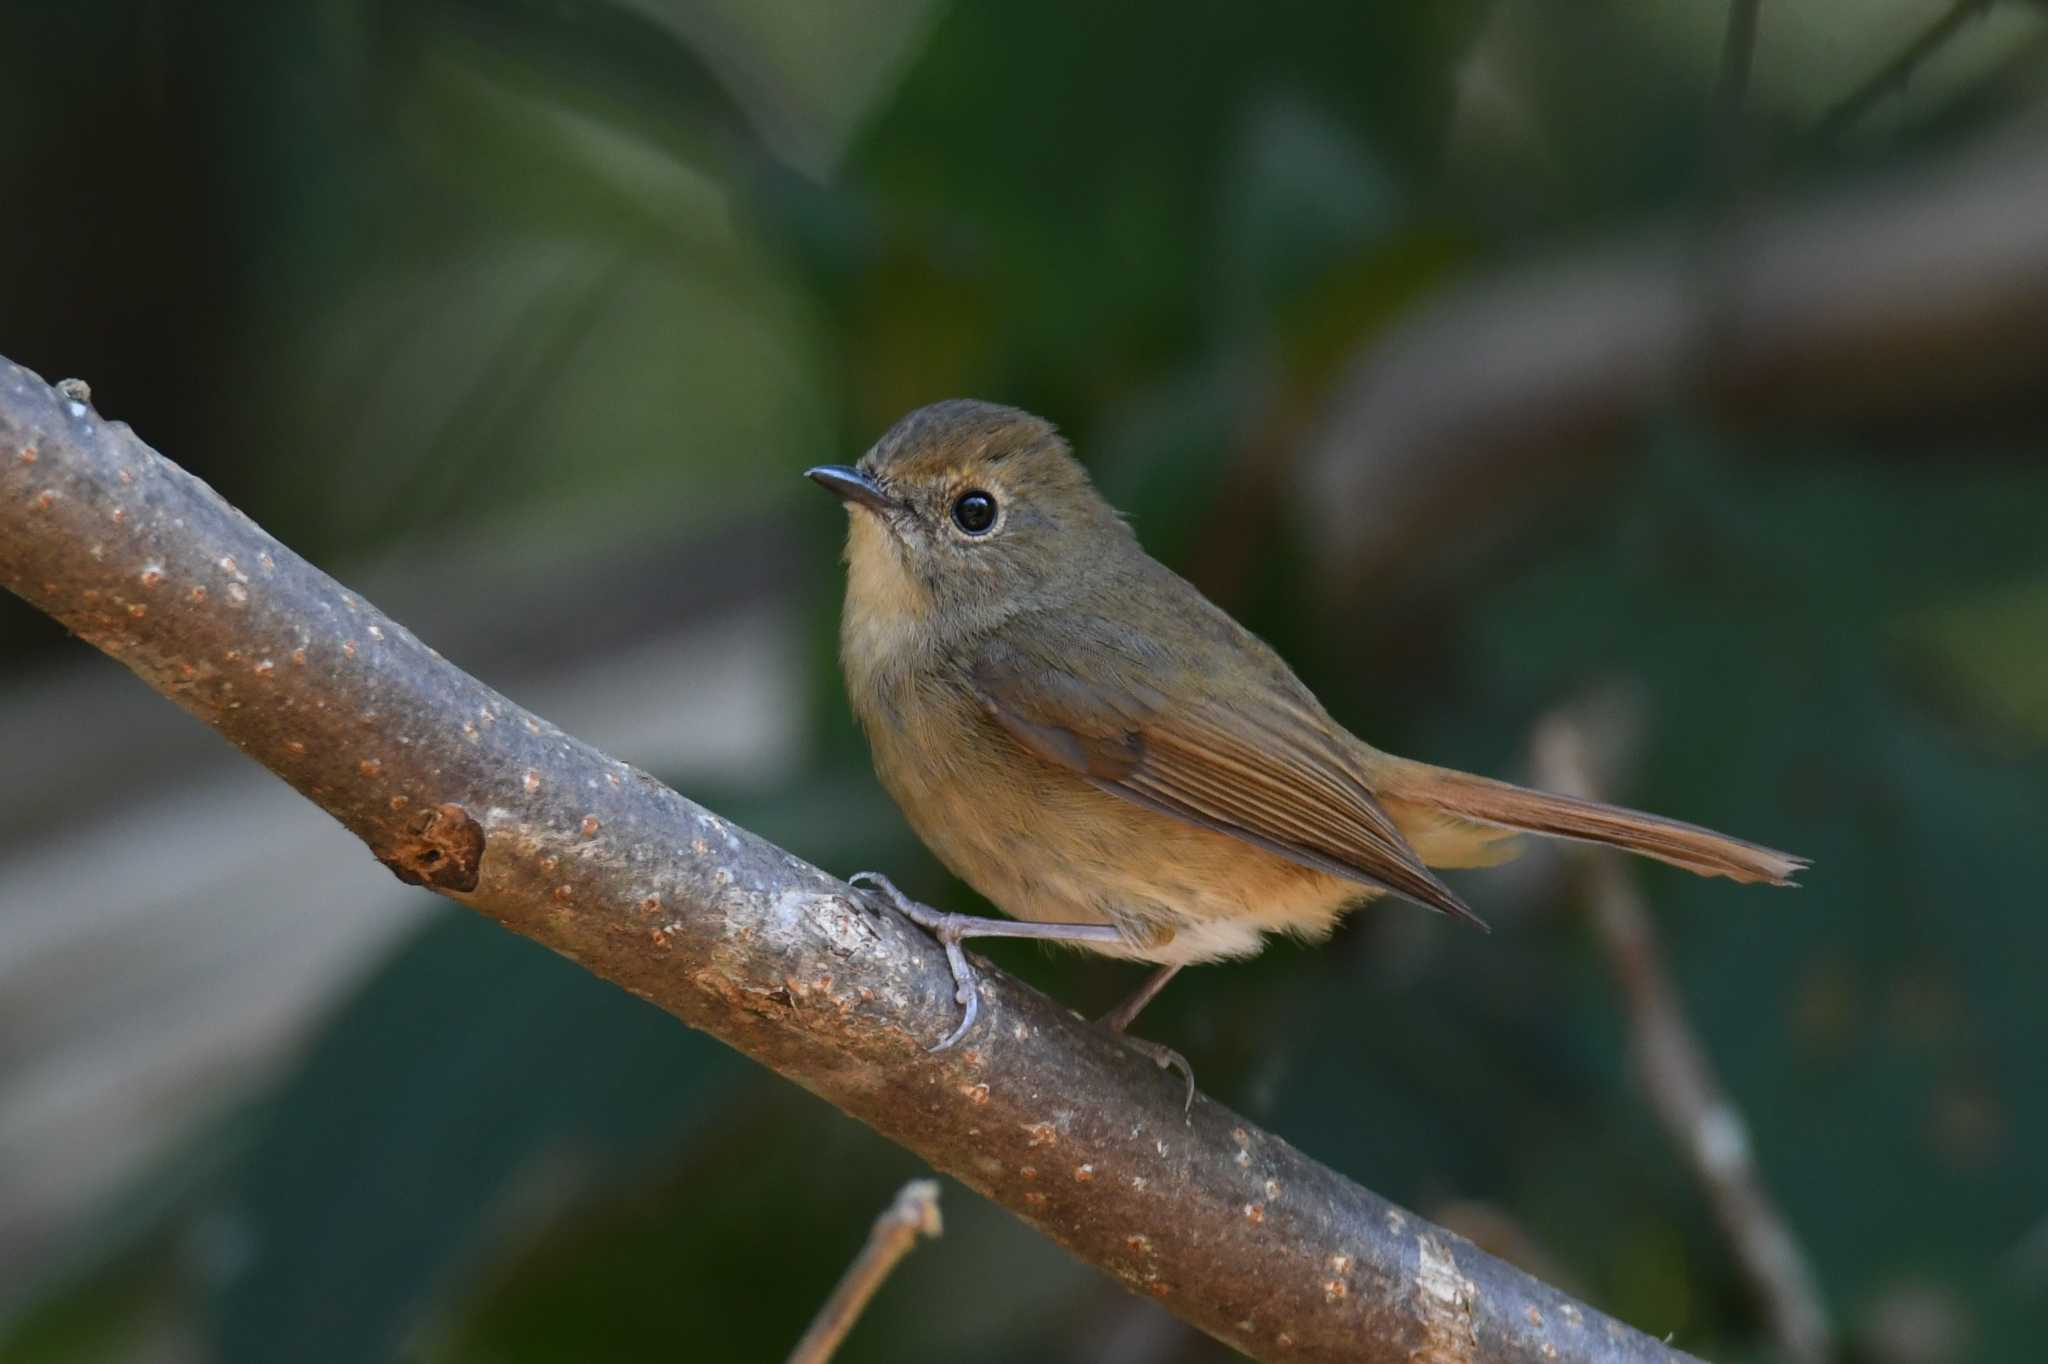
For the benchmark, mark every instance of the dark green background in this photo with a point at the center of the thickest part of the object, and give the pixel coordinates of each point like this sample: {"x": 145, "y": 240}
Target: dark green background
{"x": 590, "y": 274}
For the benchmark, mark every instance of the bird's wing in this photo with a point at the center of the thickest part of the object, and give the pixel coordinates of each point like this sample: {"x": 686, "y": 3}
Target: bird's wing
{"x": 1261, "y": 766}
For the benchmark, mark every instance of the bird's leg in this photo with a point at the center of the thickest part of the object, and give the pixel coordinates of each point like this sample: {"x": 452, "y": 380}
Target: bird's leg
{"x": 950, "y": 929}
{"x": 1119, "y": 1018}
{"x": 1124, "y": 1014}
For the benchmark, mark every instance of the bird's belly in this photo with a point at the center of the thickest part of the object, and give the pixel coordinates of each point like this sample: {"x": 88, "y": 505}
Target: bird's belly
{"x": 1042, "y": 844}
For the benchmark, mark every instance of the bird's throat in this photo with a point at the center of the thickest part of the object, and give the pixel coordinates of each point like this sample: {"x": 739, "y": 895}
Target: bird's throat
{"x": 887, "y": 622}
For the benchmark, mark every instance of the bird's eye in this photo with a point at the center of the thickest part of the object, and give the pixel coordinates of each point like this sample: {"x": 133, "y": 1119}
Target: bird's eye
{"x": 974, "y": 512}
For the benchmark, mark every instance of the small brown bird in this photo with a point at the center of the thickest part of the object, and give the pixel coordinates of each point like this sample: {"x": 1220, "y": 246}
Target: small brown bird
{"x": 1085, "y": 739}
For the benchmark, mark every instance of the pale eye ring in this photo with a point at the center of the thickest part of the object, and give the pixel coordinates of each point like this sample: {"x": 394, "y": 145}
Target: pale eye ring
{"x": 974, "y": 512}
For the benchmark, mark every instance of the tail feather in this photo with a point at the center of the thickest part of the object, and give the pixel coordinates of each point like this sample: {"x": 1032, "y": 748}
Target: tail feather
{"x": 1457, "y": 796}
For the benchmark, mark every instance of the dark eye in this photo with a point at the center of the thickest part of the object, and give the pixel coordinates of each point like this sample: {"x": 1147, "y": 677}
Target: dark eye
{"x": 975, "y": 512}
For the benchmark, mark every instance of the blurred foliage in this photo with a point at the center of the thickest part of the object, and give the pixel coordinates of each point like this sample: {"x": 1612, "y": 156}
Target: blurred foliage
{"x": 568, "y": 275}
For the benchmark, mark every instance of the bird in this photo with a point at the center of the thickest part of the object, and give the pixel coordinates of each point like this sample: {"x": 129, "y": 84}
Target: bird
{"x": 1108, "y": 757}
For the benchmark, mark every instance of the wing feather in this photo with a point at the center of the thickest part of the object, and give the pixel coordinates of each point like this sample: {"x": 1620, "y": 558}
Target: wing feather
{"x": 1264, "y": 770}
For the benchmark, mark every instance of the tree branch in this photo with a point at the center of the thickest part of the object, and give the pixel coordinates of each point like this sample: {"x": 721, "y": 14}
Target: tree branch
{"x": 454, "y": 787}
{"x": 914, "y": 1213}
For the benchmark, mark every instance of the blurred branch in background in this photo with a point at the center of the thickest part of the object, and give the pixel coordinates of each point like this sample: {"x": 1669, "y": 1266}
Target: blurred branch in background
{"x": 1738, "y": 53}
{"x": 1726, "y": 179}
{"x": 1706, "y": 1126}
{"x": 1915, "y": 295}
{"x": 454, "y": 787}
{"x": 1894, "y": 75}
{"x": 915, "y": 1213}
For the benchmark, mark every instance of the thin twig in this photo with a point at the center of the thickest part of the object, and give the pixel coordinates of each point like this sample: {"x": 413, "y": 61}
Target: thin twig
{"x": 456, "y": 788}
{"x": 1728, "y": 139}
{"x": 915, "y": 1213}
{"x": 1898, "y": 72}
{"x": 1678, "y": 1078}
{"x": 1717, "y": 244}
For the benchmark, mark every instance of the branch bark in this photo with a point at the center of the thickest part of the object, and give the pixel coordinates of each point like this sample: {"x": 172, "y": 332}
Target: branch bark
{"x": 454, "y": 787}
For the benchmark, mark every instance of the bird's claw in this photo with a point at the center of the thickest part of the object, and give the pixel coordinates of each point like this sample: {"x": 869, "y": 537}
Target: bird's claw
{"x": 946, "y": 928}
{"x": 924, "y": 916}
{"x": 1166, "y": 1058}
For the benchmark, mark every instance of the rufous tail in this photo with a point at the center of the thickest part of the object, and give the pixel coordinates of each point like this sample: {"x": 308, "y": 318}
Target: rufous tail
{"x": 1456, "y": 819}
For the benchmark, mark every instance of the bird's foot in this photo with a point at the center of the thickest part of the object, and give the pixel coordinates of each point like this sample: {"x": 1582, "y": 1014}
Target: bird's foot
{"x": 948, "y": 929}
{"x": 1166, "y": 1058}
{"x": 1121, "y": 1017}
{"x": 951, "y": 929}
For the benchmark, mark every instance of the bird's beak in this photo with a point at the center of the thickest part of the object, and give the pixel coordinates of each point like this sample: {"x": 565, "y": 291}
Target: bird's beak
{"x": 851, "y": 485}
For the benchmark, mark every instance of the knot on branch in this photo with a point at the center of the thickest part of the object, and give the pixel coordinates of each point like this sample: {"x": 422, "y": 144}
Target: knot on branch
{"x": 442, "y": 847}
